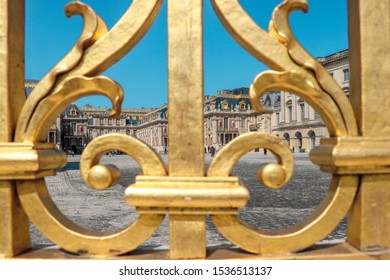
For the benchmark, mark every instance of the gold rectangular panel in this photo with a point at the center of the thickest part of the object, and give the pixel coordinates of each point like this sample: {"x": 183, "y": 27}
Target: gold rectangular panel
{"x": 185, "y": 130}
{"x": 187, "y": 236}
{"x": 369, "y": 61}
{"x": 14, "y": 229}
{"x": 369, "y": 226}
{"x": 188, "y": 192}
{"x": 185, "y": 88}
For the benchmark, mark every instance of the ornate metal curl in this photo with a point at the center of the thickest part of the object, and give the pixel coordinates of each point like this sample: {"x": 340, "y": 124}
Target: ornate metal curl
{"x": 103, "y": 176}
{"x": 71, "y": 90}
{"x": 71, "y": 237}
{"x": 279, "y": 28}
{"x": 94, "y": 28}
{"x": 297, "y": 72}
{"x": 271, "y": 175}
{"x": 72, "y": 78}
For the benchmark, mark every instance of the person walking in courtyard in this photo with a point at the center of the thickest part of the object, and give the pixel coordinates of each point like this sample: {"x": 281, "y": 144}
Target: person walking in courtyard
{"x": 212, "y": 151}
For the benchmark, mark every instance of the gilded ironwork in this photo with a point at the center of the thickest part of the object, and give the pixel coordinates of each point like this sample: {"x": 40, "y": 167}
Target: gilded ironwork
{"x": 181, "y": 189}
{"x": 14, "y": 227}
{"x": 72, "y": 78}
{"x": 297, "y": 72}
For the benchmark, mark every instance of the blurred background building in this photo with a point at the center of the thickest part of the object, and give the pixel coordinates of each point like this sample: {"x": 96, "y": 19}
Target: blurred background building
{"x": 227, "y": 115}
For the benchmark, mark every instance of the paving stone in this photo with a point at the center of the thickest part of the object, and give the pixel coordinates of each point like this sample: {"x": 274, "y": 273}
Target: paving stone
{"x": 267, "y": 209}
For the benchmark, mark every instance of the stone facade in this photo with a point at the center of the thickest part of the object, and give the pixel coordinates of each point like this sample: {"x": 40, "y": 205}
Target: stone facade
{"x": 226, "y": 116}
{"x": 297, "y": 122}
{"x": 230, "y": 114}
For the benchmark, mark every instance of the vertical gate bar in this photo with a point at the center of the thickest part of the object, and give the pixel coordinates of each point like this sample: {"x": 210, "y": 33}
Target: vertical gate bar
{"x": 185, "y": 96}
{"x": 187, "y": 236}
{"x": 14, "y": 229}
{"x": 369, "y": 32}
{"x": 185, "y": 87}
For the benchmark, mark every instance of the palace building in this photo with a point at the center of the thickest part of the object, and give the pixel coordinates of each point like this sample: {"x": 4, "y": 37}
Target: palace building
{"x": 226, "y": 116}
{"x": 297, "y": 122}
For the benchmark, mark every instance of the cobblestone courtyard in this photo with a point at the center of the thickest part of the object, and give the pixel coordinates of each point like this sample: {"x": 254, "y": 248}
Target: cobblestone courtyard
{"x": 268, "y": 209}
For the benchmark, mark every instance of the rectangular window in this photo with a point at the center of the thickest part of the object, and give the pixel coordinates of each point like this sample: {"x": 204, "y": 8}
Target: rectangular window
{"x": 242, "y": 122}
{"x": 290, "y": 114}
{"x": 51, "y": 137}
{"x": 346, "y": 75}
{"x": 302, "y": 111}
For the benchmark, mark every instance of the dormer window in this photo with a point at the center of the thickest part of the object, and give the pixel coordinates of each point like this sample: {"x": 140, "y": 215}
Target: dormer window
{"x": 225, "y": 105}
{"x": 242, "y": 105}
{"x": 73, "y": 112}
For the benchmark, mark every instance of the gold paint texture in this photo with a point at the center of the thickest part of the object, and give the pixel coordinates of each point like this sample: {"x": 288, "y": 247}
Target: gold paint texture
{"x": 72, "y": 78}
{"x": 187, "y": 239}
{"x": 369, "y": 226}
{"x": 181, "y": 189}
{"x": 185, "y": 98}
{"x": 14, "y": 227}
{"x": 185, "y": 88}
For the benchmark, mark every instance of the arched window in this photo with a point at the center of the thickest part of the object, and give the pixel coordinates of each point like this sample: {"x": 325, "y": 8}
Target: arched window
{"x": 286, "y": 137}
{"x": 298, "y": 137}
{"x": 312, "y": 136}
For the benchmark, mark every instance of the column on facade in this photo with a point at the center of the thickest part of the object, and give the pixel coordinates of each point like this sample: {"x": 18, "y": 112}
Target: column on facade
{"x": 58, "y": 132}
{"x": 283, "y": 107}
{"x": 214, "y": 132}
{"x": 159, "y": 138}
{"x": 311, "y": 113}
{"x": 294, "y": 107}
{"x": 307, "y": 108}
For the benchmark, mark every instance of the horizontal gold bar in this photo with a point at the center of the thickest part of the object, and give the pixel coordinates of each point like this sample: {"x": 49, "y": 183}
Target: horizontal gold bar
{"x": 187, "y": 192}
{"x": 186, "y": 211}
{"x": 340, "y": 251}
{"x": 25, "y": 161}
{"x": 353, "y": 155}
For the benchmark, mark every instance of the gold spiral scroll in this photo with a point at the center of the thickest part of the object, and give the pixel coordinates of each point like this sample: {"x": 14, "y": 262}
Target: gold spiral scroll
{"x": 295, "y": 71}
{"x": 271, "y": 175}
{"x": 279, "y": 50}
{"x": 70, "y": 236}
{"x": 94, "y": 28}
{"x": 76, "y": 87}
{"x": 302, "y": 235}
{"x": 104, "y": 176}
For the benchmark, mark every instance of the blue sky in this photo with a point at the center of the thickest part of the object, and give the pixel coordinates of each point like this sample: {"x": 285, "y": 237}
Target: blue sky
{"x": 143, "y": 72}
